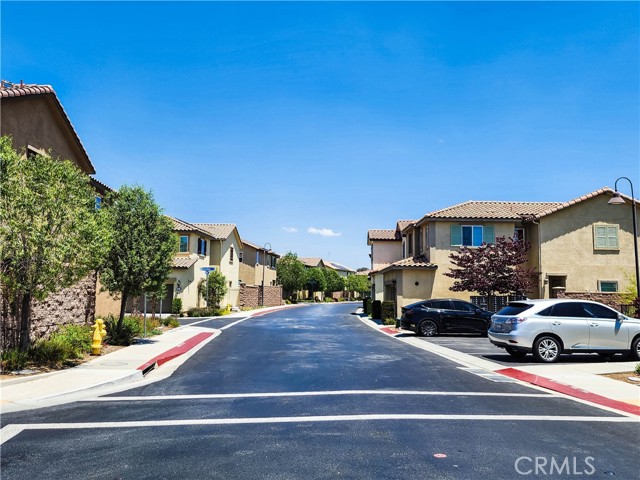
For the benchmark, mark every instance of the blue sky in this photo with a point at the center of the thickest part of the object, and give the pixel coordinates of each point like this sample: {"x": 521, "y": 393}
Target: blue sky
{"x": 307, "y": 124}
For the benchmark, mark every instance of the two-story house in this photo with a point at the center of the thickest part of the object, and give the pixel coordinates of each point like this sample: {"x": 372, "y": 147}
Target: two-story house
{"x": 258, "y": 276}
{"x": 583, "y": 247}
{"x": 257, "y": 265}
{"x": 226, "y": 246}
{"x": 194, "y": 254}
{"x": 386, "y": 248}
{"x": 38, "y": 124}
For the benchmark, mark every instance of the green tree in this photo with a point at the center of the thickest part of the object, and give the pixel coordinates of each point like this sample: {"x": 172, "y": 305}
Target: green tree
{"x": 335, "y": 283}
{"x": 50, "y": 233}
{"x": 290, "y": 274}
{"x": 143, "y": 248}
{"x": 217, "y": 288}
{"x": 315, "y": 280}
{"x": 358, "y": 283}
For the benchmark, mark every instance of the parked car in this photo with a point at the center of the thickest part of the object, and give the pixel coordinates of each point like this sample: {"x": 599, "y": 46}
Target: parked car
{"x": 432, "y": 317}
{"x": 547, "y": 328}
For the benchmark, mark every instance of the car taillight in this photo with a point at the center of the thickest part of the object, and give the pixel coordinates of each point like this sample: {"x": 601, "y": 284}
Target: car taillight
{"x": 408, "y": 313}
{"x": 514, "y": 320}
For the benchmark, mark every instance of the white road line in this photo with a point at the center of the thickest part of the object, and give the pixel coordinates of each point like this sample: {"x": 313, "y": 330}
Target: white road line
{"x": 217, "y": 396}
{"x": 12, "y": 430}
{"x": 234, "y": 323}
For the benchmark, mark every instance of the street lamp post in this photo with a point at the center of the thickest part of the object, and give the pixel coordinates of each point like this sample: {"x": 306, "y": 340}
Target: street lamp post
{"x": 264, "y": 261}
{"x": 618, "y": 200}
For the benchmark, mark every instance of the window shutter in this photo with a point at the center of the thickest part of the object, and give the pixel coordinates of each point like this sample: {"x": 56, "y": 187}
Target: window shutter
{"x": 612, "y": 237}
{"x": 456, "y": 235}
{"x": 600, "y": 236}
{"x": 488, "y": 234}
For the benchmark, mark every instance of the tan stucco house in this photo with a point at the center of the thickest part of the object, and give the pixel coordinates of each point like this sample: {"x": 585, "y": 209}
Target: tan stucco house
{"x": 386, "y": 248}
{"x": 226, "y": 246}
{"x": 583, "y": 247}
{"x": 38, "y": 124}
{"x": 257, "y": 264}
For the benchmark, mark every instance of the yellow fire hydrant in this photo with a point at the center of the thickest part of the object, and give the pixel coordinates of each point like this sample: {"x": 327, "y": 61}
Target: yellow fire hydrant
{"x": 98, "y": 332}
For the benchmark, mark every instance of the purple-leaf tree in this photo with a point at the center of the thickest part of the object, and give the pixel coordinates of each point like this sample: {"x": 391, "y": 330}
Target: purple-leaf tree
{"x": 494, "y": 268}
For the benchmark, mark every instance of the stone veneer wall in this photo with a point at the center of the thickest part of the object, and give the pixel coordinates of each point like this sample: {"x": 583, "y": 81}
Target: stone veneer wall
{"x": 250, "y": 296}
{"x": 614, "y": 300}
{"x": 72, "y": 305}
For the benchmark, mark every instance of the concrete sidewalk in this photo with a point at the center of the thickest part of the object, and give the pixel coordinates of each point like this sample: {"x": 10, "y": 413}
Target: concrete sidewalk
{"x": 584, "y": 381}
{"x": 124, "y": 368}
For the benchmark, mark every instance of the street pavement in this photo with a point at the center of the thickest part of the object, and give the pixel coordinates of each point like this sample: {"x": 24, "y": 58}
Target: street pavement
{"x": 316, "y": 391}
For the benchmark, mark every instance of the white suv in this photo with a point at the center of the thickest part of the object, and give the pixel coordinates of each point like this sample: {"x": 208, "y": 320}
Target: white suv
{"x": 548, "y": 328}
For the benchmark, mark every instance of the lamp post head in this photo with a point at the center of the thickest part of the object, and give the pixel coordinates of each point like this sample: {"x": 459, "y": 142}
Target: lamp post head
{"x": 616, "y": 199}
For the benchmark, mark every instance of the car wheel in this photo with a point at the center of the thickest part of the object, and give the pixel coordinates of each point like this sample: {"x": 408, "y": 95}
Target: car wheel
{"x": 515, "y": 353}
{"x": 428, "y": 328}
{"x": 547, "y": 349}
{"x": 635, "y": 349}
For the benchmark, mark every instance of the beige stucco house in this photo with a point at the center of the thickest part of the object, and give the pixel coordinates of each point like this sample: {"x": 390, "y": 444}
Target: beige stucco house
{"x": 583, "y": 247}
{"x": 226, "y": 246}
{"x": 386, "y": 248}
{"x": 38, "y": 124}
{"x": 257, "y": 265}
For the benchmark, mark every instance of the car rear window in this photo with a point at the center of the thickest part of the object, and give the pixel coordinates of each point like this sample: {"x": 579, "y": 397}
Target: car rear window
{"x": 515, "y": 309}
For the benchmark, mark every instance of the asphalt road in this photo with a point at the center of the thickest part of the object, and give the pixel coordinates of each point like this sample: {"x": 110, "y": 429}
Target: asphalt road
{"x": 312, "y": 392}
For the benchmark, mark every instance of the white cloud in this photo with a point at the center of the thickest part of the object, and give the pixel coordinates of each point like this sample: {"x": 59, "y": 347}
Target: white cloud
{"x": 290, "y": 229}
{"x": 325, "y": 232}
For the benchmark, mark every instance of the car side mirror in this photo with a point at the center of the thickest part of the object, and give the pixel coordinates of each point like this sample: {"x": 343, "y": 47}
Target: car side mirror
{"x": 621, "y": 318}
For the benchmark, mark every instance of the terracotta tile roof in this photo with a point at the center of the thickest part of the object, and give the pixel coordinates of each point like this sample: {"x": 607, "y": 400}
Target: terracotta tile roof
{"x": 601, "y": 191}
{"x": 218, "y": 231}
{"x": 258, "y": 247}
{"x": 311, "y": 261}
{"x": 183, "y": 262}
{"x": 182, "y": 226}
{"x": 100, "y": 186}
{"x": 488, "y": 210}
{"x": 402, "y": 224}
{"x": 381, "y": 235}
{"x": 419, "y": 262}
{"x": 9, "y": 90}
{"x": 387, "y": 234}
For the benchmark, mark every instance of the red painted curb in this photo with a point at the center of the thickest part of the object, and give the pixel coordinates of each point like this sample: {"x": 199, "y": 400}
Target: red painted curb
{"x": 176, "y": 351}
{"x": 258, "y": 314}
{"x": 569, "y": 390}
{"x": 389, "y": 330}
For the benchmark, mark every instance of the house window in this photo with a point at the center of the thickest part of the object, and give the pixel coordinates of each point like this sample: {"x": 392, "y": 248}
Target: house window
{"x": 240, "y": 257}
{"x": 273, "y": 262}
{"x": 419, "y": 241}
{"x": 607, "y": 286}
{"x": 605, "y": 237}
{"x": 518, "y": 234}
{"x": 184, "y": 244}
{"x": 202, "y": 246}
{"x": 410, "y": 243}
{"x": 231, "y": 255}
{"x": 98, "y": 203}
{"x": 257, "y": 258}
{"x": 472, "y": 235}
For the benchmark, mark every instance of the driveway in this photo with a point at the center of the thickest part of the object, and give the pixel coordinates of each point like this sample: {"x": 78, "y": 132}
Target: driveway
{"x": 481, "y": 347}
